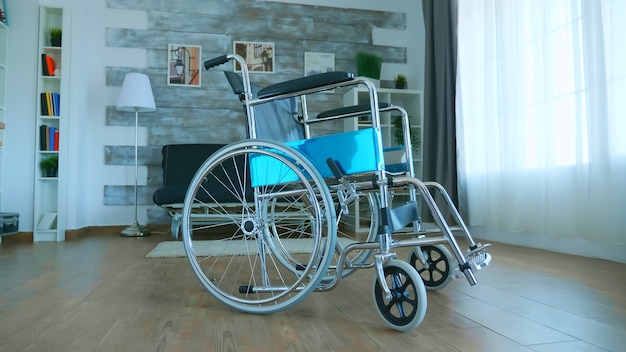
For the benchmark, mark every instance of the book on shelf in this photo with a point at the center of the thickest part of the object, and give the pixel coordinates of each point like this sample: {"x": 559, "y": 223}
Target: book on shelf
{"x": 53, "y": 133}
{"x": 43, "y": 101}
{"x": 43, "y": 137}
{"x": 56, "y": 103}
{"x": 55, "y": 145}
{"x": 49, "y": 104}
{"x": 44, "y": 65}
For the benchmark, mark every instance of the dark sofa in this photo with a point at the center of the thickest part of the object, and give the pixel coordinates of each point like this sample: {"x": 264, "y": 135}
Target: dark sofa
{"x": 180, "y": 163}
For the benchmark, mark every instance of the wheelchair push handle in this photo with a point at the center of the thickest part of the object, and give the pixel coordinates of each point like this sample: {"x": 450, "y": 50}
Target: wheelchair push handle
{"x": 220, "y": 60}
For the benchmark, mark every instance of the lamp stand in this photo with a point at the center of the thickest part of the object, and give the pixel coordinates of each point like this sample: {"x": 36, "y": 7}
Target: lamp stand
{"x": 136, "y": 230}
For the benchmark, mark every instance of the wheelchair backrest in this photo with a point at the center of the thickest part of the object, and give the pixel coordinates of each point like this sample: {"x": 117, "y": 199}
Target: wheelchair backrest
{"x": 274, "y": 120}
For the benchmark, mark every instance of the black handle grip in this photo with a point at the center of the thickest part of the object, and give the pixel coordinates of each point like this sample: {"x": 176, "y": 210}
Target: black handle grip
{"x": 215, "y": 62}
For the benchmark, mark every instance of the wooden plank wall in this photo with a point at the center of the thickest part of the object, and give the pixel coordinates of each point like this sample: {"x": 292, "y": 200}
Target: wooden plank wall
{"x": 211, "y": 113}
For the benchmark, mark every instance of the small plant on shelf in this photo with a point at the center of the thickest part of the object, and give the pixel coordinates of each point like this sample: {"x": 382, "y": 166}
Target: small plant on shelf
{"x": 55, "y": 36}
{"x": 400, "y": 81}
{"x": 49, "y": 166}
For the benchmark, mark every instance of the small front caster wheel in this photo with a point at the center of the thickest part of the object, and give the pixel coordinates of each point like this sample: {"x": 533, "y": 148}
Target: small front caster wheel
{"x": 434, "y": 265}
{"x": 406, "y": 307}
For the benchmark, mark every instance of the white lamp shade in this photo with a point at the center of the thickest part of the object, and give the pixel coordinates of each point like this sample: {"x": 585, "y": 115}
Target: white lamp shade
{"x": 136, "y": 94}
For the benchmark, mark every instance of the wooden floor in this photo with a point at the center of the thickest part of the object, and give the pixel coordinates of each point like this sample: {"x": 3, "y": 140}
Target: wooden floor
{"x": 100, "y": 293}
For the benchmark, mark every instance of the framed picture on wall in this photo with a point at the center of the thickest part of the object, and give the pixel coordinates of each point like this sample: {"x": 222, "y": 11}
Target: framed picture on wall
{"x": 315, "y": 63}
{"x": 183, "y": 67}
{"x": 259, "y": 56}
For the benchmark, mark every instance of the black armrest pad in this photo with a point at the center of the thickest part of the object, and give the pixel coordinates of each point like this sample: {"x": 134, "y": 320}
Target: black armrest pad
{"x": 354, "y": 109}
{"x": 305, "y": 83}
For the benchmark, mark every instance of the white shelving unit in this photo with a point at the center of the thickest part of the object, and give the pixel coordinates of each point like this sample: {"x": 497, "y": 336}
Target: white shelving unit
{"x": 4, "y": 41}
{"x": 8, "y": 221}
{"x": 51, "y": 190}
{"x": 413, "y": 102}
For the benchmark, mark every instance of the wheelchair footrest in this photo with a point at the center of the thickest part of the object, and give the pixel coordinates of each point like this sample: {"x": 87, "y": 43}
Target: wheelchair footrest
{"x": 478, "y": 258}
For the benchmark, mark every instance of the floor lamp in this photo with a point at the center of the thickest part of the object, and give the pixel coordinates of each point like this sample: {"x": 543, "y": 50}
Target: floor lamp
{"x": 136, "y": 95}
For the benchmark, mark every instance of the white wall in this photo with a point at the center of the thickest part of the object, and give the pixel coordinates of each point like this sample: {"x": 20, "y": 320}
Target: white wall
{"x": 89, "y": 96}
{"x": 19, "y": 143}
{"x": 412, "y": 37}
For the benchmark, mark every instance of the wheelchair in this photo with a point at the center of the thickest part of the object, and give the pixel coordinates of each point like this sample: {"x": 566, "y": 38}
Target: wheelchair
{"x": 264, "y": 219}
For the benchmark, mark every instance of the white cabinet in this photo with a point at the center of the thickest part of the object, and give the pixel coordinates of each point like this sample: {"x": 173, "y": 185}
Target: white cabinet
{"x": 52, "y": 118}
{"x": 411, "y": 100}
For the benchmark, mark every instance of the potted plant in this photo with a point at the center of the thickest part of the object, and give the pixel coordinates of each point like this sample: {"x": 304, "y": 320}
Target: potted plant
{"x": 400, "y": 81}
{"x": 49, "y": 166}
{"x": 368, "y": 65}
{"x": 55, "y": 36}
{"x": 399, "y": 134}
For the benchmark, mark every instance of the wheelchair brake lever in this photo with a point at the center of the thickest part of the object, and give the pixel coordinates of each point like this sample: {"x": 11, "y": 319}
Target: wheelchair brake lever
{"x": 345, "y": 188}
{"x": 336, "y": 169}
{"x": 345, "y": 201}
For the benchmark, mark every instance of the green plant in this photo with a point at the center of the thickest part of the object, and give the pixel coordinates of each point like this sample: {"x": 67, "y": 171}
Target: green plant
{"x": 400, "y": 79}
{"x": 55, "y": 36}
{"x": 368, "y": 65}
{"x": 55, "y": 33}
{"x": 49, "y": 162}
{"x": 398, "y": 133}
{"x": 49, "y": 166}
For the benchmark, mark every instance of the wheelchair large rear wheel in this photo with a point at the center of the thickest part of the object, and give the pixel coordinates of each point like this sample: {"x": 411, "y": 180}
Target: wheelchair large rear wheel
{"x": 259, "y": 226}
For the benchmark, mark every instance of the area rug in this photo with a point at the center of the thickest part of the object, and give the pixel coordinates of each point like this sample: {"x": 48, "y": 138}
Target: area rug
{"x": 173, "y": 249}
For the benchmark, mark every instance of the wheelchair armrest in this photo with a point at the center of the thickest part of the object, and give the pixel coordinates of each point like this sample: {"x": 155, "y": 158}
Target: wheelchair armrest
{"x": 305, "y": 83}
{"x": 361, "y": 109}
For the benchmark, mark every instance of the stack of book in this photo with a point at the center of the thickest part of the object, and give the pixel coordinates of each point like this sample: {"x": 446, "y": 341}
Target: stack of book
{"x": 50, "y": 103}
{"x": 48, "y": 138}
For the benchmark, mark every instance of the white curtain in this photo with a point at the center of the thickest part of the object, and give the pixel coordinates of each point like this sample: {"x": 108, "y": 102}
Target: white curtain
{"x": 541, "y": 107}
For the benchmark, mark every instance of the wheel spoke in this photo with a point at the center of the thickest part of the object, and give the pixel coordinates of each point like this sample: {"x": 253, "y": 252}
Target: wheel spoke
{"x": 269, "y": 245}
